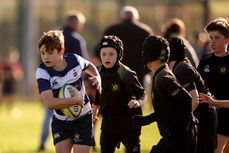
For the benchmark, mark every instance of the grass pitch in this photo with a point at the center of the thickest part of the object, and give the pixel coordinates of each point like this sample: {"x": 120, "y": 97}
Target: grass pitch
{"x": 20, "y": 129}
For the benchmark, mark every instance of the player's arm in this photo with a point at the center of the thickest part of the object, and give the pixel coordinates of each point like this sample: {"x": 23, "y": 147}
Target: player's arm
{"x": 135, "y": 103}
{"x": 195, "y": 102}
{"x": 95, "y": 113}
{"x": 96, "y": 107}
{"x": 203, "y": 98}
{"x": 134, "y": 87}
{"x": 58, "y": 103}
{"x": 95, "y": 76}
{"x": 140, "y": 120}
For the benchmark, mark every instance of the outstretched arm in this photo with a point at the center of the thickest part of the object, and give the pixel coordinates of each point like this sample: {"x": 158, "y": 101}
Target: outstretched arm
{"x": 203, "y": 98}
{"x": 140, "y": 120}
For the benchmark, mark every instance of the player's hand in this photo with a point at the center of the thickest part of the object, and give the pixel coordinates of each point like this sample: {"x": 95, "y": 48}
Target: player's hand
{"x": 203, "y": 98}
{"x": 95, "y": 113}
{"x": 134, "y": 104}
{"x": 96, "y": 82}
{"x": 78, "y": 98}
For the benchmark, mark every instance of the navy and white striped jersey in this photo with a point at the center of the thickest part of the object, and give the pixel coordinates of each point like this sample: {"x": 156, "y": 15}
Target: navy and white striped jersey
{"x": 50, "y": 79}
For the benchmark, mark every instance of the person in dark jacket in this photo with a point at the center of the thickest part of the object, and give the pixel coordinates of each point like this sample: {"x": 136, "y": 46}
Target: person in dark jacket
{"x": 121, "y": 99}
{"x": 175, "y": 27}
{"x": 73, "y": 41}
{"x": 132, "y": 32}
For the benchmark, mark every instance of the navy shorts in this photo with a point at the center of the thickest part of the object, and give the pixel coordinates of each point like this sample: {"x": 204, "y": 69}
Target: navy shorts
{"x": 81, "y": 130}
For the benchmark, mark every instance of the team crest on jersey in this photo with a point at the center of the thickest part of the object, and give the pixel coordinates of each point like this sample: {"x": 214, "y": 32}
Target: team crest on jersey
{"x": 54, "y": 82}
{"x": 223, "y": 70}
{"x": 206, "y": 68}
{"x": 74, "y": 73}
{"x": 115, "y": 87}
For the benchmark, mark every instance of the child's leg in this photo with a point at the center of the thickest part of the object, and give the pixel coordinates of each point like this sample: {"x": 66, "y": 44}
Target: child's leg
{"x": 81, "y": 149}
{"x": 108, "y": 142}
{"x": 222, "y": 140}
{"x": 64, "y": 146}
{"x": 132, "y": 143}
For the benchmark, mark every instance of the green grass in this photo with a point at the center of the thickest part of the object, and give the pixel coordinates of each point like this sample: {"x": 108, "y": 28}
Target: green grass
{"x": 20, "y": 128}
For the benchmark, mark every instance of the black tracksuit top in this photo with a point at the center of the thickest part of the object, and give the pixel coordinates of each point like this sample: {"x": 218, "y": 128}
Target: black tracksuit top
{"x": 119, "y": 86}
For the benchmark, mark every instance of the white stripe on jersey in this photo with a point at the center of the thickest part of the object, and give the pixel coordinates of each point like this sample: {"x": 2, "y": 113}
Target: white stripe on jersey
{"x": 57, "y": 82}
{"x": 57, "y": 79}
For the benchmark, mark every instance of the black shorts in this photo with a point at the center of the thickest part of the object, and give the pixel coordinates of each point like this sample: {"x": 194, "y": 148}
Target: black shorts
{"x": 81, "y": 130}
{"x": 109, "y": 141}
{"x": 223, "y": 121}
{"x": 186, "y": 143}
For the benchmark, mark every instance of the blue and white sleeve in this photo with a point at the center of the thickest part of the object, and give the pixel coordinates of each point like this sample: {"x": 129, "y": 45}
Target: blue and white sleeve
{"x": 83, "y": 62}
{"x": 42, "y": 78}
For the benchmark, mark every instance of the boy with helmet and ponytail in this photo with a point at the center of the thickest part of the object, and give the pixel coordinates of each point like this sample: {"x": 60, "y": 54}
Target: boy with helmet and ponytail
{"x": 172, "y": 103}
{"x": 121, "y": 99}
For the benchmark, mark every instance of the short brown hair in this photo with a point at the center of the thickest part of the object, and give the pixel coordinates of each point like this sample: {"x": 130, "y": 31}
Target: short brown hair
{"x": 219, "y": 24}
{"x": 52, "y": 39}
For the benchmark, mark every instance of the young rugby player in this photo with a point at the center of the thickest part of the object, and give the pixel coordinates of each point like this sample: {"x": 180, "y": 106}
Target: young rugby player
{"x": 172, "y": 103}
{"x": 214, "y": 69}
{"x": 121, "y": 99}
{"x": 191, "y": 80}
{"x": 55, "y": 71}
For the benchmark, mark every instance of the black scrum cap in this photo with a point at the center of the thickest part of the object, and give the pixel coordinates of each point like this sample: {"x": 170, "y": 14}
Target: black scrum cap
{"x": 114, "y": 42}
{"x": 155, "y": 47}
{"x": 177, "y": 49}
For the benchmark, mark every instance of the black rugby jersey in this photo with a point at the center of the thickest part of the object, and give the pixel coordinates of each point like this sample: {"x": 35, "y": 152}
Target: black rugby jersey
{"x": 190, "y": 79}
{"x": 172, "y": 103}
{"x": 215, "y": 72}
{"x": 119, "y": 86}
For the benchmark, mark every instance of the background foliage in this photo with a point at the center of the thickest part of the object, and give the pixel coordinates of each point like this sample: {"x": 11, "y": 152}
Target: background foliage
{"x": 22, "y": 22}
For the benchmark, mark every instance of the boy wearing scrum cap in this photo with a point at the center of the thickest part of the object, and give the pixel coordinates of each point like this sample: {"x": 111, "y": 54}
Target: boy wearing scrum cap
{"x": 172, "y": 103}
{"x": 121, "y": 98}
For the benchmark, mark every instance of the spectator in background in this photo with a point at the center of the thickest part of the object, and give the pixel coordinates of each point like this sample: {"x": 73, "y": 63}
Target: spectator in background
{"x": 11, "y": 73}
{"x": 45, "y": 129}
{"x": 1, "y": 79}
{"x": 74, "y": 42}
{"x": 133, "y": 33}
{"x": 176, "y": 28}
{"x": 200, "y": 44}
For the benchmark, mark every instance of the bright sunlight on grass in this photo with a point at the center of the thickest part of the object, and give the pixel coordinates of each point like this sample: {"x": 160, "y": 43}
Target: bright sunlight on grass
{"x": 20, "y": 129}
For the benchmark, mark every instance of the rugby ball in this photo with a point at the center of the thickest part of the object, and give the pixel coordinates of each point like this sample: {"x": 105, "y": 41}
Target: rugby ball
{"x": 74, "y": 111}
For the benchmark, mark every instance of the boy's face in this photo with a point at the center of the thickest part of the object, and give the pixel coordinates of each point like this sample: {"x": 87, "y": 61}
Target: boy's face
{"x": 217, "y": 42}
{"x": 108, "y": 56}
{"x": 50, "y": 58}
